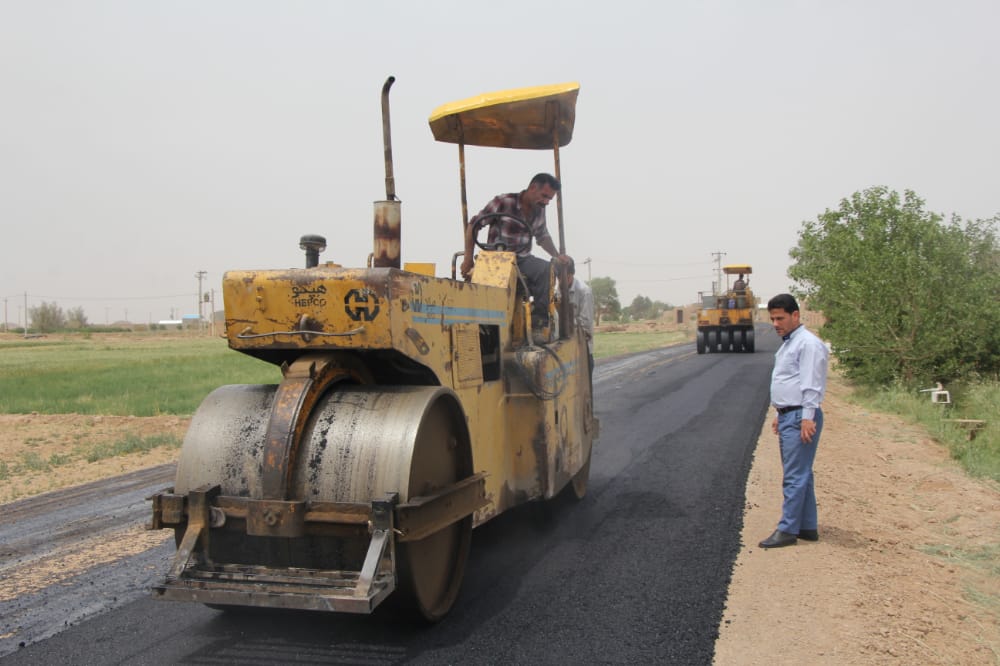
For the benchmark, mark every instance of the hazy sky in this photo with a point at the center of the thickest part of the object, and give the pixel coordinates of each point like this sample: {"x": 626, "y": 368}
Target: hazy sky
{"x": 142, "y": 142}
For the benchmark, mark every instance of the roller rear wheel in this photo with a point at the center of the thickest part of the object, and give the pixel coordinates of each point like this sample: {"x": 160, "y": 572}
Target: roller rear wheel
{"x": 365, "y": 441}
{"x": 431, "y": 569}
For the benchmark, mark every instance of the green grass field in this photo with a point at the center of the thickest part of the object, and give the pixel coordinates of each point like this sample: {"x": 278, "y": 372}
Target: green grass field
{"x": 145, "y": 375}
{"x": 617, "y": 343}
{"x": 151, "y": 376}
{"x": 141, "y": 376}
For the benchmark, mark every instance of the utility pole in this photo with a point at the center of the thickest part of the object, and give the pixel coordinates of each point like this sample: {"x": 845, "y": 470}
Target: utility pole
{"x": 213, "y": 312}
{"x": 201, "y": 276}
{"x": 5, "y": 329}
{"x": 588, "y": 269}
{"x": 718, "y": 270}
{"x": 26, "y": 313}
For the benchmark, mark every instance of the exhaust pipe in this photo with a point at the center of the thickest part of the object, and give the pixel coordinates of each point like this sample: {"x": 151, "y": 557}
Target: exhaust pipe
{"x": 312, "y": 245}
{"x": 387, "y": 213}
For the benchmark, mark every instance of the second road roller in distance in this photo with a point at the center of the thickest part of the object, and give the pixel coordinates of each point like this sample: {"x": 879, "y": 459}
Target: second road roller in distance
{"x": 726, "y": 319}
{"x": 412, "y": 408}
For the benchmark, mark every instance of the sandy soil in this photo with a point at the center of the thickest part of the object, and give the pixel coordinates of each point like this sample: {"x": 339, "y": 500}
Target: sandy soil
{"x": 39, "y": 453}
{"x": 906, "y": 570}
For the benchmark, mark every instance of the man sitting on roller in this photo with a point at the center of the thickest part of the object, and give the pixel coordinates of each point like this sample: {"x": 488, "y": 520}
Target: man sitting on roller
{"x": 527, "y": 205}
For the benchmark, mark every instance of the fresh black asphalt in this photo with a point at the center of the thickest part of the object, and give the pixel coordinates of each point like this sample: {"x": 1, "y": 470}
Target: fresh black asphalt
{"x": 636, "y": 572}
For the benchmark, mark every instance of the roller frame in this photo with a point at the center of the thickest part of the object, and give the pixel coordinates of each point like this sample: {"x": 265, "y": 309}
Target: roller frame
{"x": 192, "y": 578}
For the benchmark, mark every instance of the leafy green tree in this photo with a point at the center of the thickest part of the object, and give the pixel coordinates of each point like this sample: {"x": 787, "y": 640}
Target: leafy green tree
{"x": 606, "y": 303}
{"x": 906, "y": 296}
{"x": 76, "y": 318}
{"x": 640, "y": 308}
{"x": 47, "y": 317}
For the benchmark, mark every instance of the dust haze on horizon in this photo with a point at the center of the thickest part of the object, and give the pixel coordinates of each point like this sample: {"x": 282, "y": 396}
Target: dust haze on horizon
{"x": 142, "y": 143}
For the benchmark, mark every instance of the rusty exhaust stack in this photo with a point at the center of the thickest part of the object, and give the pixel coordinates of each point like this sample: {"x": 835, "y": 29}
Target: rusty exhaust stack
{"x": 387, "y": 213}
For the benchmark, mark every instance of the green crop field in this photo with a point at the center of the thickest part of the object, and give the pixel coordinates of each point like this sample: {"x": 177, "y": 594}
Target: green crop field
{"x": 616, "y": 343}
{"x": 120, "y": 375}
{"x": 145, "y": 375}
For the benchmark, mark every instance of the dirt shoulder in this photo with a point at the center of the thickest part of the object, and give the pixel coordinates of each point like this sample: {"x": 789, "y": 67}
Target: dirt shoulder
{"x": 41, "y": 452}
{"x": 905, "y": 570}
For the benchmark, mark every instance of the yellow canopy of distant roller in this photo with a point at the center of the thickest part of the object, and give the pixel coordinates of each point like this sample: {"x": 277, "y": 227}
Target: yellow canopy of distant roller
{"x": 736, "y": 269}
{"x": 518, "y": 118}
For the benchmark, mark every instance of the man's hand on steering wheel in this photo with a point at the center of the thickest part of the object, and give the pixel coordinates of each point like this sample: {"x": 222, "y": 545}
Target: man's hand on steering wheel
{"x": 488, "y": 219}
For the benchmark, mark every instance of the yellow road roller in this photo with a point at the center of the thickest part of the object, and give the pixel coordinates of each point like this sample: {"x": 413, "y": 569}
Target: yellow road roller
{"x": 412, "y": 408}
{"x": 726, "y": 319}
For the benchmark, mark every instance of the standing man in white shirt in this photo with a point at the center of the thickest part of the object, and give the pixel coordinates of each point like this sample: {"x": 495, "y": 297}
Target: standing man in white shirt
{"x": 798, "y": 384}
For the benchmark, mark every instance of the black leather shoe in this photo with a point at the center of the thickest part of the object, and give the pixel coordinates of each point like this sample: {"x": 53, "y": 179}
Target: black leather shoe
{"x": 809, "y": 535}
{"x": 778, "y": 539}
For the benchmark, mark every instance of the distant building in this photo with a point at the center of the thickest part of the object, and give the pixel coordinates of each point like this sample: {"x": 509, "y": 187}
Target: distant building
{"x": 193, "y": 321}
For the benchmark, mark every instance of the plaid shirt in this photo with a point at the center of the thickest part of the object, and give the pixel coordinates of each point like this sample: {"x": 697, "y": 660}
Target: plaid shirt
{"x": 511, "y": 233}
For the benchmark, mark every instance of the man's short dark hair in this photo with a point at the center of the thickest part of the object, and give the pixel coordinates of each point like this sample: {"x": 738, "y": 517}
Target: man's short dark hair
{"x": 784, "y": 302}
{"x": 546, "y": 179}
{"x": 571, "y": 266}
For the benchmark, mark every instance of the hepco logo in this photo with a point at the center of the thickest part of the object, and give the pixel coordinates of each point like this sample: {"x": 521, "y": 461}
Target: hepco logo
{"x": 361, "y": 304}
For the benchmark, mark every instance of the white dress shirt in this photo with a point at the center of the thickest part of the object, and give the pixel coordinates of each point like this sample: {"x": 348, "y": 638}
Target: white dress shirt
{"x": 582, "y": 299}
{"x": 799, "y": 376}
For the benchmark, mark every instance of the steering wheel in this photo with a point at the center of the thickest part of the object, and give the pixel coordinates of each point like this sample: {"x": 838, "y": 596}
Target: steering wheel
{"x": 487, "y": 219}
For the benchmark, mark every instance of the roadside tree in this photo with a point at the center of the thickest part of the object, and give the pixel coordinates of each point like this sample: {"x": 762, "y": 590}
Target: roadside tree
{"x": 643, "y": 307}
{"x": 47, "y": 317}
{"x": 907, "y": 297}
{"x": 76, "y": 318}
{"x": 606, "y": 303}
{"x": 640, "y": 308}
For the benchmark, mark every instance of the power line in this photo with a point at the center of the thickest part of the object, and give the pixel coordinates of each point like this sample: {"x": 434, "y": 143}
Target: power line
{"x": 625, "y": 262}
{"x": 101, "y": 298}
{"x": 689, "y": 277}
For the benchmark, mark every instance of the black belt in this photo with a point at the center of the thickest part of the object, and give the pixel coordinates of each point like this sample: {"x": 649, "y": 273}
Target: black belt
{"x": 785, "y": 410}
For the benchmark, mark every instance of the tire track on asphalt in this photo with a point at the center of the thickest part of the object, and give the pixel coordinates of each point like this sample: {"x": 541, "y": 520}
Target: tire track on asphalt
{"x": 65, "y": 555}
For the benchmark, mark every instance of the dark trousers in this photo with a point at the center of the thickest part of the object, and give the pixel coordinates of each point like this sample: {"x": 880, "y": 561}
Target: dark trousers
{"x": 536, "y": 273}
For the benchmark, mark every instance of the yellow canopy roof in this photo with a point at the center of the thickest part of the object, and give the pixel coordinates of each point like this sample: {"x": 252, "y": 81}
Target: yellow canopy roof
{"x": 518, "y": 118}
{"x": 736, "y": 269}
